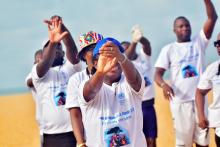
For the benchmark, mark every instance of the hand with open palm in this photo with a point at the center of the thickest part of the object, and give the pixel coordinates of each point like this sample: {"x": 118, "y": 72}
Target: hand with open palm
{"x": 54, "y": 29}
{"x": 105, "y": 64}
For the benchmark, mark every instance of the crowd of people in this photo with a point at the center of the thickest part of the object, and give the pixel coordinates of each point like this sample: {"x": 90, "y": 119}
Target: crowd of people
{"x": 110, "y": 102}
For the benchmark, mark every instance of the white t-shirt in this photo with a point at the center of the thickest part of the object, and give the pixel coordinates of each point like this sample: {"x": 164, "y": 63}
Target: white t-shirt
{"x": 73, "y": 88}
{"x": 51, "y": 89}
{"x": 143, "y": 64}
{"x": 37, "y": 105}
{"x": 114, "y": 116}
{"x": 209, "y": 80}
{"x": 186, "y": 62}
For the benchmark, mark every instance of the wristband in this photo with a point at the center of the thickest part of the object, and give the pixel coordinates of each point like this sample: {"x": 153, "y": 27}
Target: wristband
{"x": 123, "y": 61}
{"x": 81, "y": 144}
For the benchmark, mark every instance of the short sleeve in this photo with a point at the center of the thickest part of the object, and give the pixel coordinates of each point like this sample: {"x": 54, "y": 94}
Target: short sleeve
{"x": 70, "y": 68}
{"x": 202, "y": 40}
{"x": 72, "y": 93}
{"x": 141, "y": 90}
{"x": 205, "y": 81}
{"x": 163, "y": 58}
{"x": 28, "y": 77}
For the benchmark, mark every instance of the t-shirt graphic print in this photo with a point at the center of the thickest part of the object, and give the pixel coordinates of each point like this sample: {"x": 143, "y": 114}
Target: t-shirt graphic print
{"x": 60, "y": 98}
{"x": 116, "y": 137}
{"x": 189, "y": 71}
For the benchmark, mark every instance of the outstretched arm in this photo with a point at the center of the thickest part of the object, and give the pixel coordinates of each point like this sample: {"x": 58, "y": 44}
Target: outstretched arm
{"x": 55, "y": 36}
{"x": 132, "y": 75}
{"x": 94, "y": 84}
{"x": 212, "y": 17}
{"x": 167, "y": 90}
{"x": 146, "y": 46}
{"x": 200, "y": 102}
{"x": 71, "y": 49}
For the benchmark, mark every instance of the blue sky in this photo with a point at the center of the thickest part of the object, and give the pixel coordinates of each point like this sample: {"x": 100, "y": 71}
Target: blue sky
{"x": 22, "y": 30}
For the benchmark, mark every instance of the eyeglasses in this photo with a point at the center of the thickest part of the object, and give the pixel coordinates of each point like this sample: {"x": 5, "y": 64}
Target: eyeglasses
{"x": 217, "y": 43}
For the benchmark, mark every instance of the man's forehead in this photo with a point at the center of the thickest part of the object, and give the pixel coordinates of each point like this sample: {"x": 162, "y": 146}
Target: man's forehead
{"x": 181, "y": 21}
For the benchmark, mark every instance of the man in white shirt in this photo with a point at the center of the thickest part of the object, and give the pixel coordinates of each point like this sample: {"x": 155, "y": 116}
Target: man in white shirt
{"x": 50, "y": 78}
{"x": 142, "y": 61}
{"x": 186, "y": 60}
{"x": 210, "y": 80}
{"x": 87, "y": 44}
{"x": 111, "y": 101}
{"x": 37, "y": 57}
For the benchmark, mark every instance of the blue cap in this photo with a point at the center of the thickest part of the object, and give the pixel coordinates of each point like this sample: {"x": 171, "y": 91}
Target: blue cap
{"x": 103, "y": 41}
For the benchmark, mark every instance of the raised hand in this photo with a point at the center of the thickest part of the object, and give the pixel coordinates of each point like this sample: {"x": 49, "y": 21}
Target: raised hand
{"x": 105, "y": 64}
{"x": 109, "y": 49}
{"x": 54, "y": 29}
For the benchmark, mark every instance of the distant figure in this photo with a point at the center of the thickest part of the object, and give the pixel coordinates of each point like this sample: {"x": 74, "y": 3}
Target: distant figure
{"x": 87, "y": 44}
{"x": 111, "y": 101}
{"x": 210, "y": 80}
{"x": 143, "y": 62}
{"x": 186, "y": 60}
{"x": 50, "y": 78}
{"x": 37, "y": 57}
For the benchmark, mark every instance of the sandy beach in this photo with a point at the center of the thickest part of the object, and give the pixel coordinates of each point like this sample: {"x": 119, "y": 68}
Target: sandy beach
{"x": 18, "y": 127}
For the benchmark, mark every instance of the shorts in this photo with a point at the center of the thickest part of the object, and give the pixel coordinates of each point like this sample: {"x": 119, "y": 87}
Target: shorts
{"x": 149, "y": 119}
{"x": 59, "y": 140}
{"x": 186, "y": 127}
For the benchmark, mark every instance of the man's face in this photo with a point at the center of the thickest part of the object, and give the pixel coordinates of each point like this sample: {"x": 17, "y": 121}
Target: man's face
{"x": 88, "y": 55}
{"x": 38, "y": 57}
{"x": 59, "y": 57}
{"x": 182, "y": 30}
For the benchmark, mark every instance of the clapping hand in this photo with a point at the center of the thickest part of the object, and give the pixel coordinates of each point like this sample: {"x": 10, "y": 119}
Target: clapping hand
{"x": 54, "y": 29}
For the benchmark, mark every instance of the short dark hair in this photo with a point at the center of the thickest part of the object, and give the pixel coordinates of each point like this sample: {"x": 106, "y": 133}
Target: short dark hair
{"x": 58, "y": 44}
{"x": 125, "y": 42}
{"x": 37, "y": 52}
{"x": 179, "y": 17}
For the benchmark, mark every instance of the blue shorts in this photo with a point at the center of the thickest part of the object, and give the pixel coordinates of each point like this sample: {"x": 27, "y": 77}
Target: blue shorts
{"x": 149, "y": 119}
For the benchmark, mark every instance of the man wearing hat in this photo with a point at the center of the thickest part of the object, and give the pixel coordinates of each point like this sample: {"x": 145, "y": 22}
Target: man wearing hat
{"x": 111, "y": 101}
{"x": 87, "y": 44}
{"x": 50, "y": 77}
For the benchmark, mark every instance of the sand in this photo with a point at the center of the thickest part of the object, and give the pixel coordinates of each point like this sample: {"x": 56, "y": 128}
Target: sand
{"x": 18, "y": 127}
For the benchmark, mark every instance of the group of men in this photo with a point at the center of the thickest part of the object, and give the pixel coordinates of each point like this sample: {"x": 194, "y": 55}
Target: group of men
{"x": 111, "y": 102}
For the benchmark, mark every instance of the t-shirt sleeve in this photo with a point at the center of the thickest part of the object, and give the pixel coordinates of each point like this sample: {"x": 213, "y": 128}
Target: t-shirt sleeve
{"x": 163, "y": 58}
{"x": 70, "y": 68}
{"x": 141, "y": 90}
{"x": 28, "y": 77}
{"x": 202, "y": 40}
{"x": 205, "y": 80}
{"x": 35, "y": 76}
{"x": 144, "y": 56}
{"x": 81, "y": 97}
{"x": 72, "y": 93}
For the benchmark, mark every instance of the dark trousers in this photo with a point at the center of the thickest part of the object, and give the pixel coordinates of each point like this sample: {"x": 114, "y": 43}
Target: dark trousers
{"x": 217, "y": 140}
{"x": 59, "y": 140}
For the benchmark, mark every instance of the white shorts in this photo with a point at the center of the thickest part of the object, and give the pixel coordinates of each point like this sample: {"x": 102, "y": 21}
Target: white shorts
{"x": 187, "y": 130}
{"x": 217, "y": 131}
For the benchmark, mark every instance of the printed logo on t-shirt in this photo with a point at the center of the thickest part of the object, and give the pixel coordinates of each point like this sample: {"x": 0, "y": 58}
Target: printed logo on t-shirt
{"x": 60, "y": 98}
{"x": 147, "y": 81}
{"x": 121, "y": 98}
{"x": 116, "y": 137}
{"x": 189, "y": 71}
